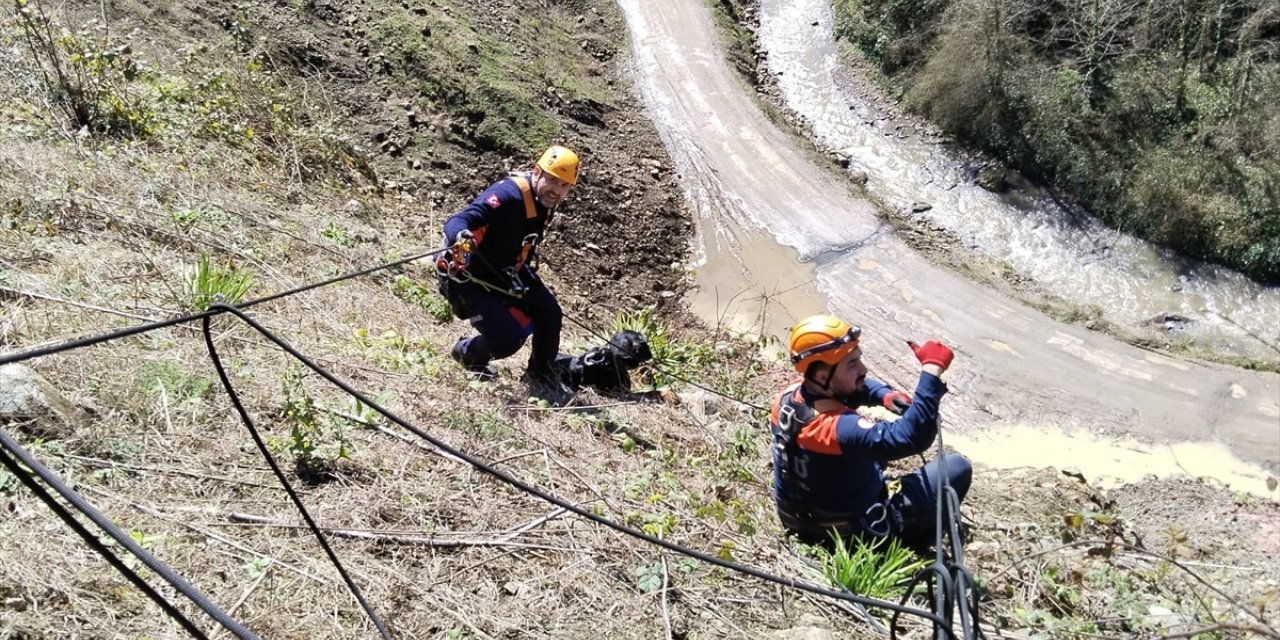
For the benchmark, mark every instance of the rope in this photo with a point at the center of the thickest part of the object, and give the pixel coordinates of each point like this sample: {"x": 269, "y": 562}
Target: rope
{"x": 212, "y": 311}
{"x": 520, "y": 485}
{"x": 941, "y": 622}
{"x": 275, "y": 468}
{"x": 609, "y": 340}
{"x": 11, "y": 447}
{"x": 955, "y": 590}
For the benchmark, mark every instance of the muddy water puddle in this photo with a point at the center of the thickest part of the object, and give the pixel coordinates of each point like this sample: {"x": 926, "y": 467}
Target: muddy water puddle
{"x": 1107, "y": 463}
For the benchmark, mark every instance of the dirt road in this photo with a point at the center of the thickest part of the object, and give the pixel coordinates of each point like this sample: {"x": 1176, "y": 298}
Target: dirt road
{"x": 759, "y": 198}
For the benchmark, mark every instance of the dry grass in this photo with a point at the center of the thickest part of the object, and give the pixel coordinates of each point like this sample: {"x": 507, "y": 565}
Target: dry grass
{"x": 97, "y": 235}
{"x": 167, "y": 459}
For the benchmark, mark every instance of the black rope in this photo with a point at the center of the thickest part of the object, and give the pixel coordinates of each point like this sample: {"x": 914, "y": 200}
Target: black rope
{"x": 506, "y": 478}
{"x": 10, "y": 446}
{"x": 212, "y": 311}
{"x": 955, "y": 589}
{"x": 275, "y": 468}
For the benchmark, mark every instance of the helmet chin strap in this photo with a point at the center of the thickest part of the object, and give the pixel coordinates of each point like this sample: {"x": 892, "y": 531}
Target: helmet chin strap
{"x": 825, "y": 387}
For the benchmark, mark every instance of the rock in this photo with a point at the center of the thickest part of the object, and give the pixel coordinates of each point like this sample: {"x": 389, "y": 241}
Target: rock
{"x": 703, "y": 404}
{"x": 26, "y": 397}
{"x": 992, "y": 179}
{"x": 920, "y": 207}
{"x": 803, "y": 633}
{"x": 1162, "y": 617}
{"x": 1168, "y": 322}
{"x": 858, "y": 176}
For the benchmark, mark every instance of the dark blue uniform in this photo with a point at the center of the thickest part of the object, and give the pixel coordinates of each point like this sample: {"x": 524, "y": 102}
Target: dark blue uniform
{"x": 506, "y": 240}
{"x": 829, "y": 466}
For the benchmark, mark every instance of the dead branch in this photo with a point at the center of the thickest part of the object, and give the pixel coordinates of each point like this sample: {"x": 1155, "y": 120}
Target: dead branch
{"x": 396, "y": 539}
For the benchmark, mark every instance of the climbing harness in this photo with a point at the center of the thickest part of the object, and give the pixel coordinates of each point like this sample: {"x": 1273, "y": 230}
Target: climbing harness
{"x": 792, "y": 416}
{"x": 455, "y": 266}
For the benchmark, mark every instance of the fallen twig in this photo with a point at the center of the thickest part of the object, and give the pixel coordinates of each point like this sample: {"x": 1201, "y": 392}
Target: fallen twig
{"x": 384, "y": 538}
{"x": 666, "y": 615}
{"x": 155, "y": 513}
{"x": 1224, "y": 626}
{"x": 111, "y": 464}
{"x": 73, "y": 303}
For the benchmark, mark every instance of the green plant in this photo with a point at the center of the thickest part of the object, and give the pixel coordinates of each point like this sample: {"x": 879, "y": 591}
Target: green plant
{"x": 316, "y": 441}
{"x": 488, "y": 424}
{"x": 9, "y": 483}
{"x": 336, "y": 235}
{"x": 437, "y": 307}
{"x": 90, "y": 75}
{"x": 393, "y": 351}
{"x": 649, "y": 577}
{"x": 207, "y": 284}
{"x": 171, "y": 379}
{"x": 257, "y": 567}
{"x": 365, "y": 414}
{"x": 877, "y": 569}
{"x": 673, "y": 357}
{"x": 658, "y": 525}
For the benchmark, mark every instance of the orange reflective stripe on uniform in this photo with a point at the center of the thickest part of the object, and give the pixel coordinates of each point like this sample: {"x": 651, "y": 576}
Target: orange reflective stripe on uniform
{"x": 530, "y": 213}
{"x": 819, "y": 436}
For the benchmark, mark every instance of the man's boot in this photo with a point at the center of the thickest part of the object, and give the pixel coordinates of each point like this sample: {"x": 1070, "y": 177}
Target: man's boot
{"x": 483, "y": 372}
{"x": 547, "y": 381}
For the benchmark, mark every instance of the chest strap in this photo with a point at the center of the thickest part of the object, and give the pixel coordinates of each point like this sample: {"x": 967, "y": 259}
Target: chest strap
{"x": 530, "y": 213}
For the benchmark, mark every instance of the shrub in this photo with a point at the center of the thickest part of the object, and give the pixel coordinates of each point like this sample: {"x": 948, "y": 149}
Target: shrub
{"x": 877, "y": 569}
{"x": 90, "y": 75}
{"x": 207, "y": 284}
{"x": 673, "y": 357}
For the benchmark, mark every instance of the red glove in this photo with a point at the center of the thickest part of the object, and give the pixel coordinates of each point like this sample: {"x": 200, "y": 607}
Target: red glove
{"x": 897, "y": 401}
{"x": 932, "y": 352}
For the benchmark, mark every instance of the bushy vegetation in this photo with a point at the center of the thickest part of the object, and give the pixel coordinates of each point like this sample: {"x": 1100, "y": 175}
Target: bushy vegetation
{"x": 98, "y": 84}
{"x": 1158, "y": 117}
{"x": 876, "y": 568}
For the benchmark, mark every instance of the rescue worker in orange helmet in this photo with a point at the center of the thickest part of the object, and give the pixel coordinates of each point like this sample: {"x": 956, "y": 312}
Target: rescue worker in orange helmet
{"x": 494, "y": 282}
{"x": 829, "y": 461}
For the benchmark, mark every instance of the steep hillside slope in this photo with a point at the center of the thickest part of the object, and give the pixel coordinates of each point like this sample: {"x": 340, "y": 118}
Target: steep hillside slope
{"x": 282, "y": 143}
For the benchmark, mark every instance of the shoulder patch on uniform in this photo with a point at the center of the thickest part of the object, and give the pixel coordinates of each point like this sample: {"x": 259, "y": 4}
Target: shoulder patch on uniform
{"x": 866, "y": 423}
{"x": 493, "y": 201}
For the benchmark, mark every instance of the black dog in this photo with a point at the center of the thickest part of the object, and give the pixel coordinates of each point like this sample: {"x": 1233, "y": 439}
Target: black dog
{"x": 606, "y": 368}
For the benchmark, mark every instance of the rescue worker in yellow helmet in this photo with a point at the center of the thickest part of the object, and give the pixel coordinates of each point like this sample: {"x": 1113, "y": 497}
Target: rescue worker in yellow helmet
{"x": 829, "y": 461}
{"x": 491, "y": 276}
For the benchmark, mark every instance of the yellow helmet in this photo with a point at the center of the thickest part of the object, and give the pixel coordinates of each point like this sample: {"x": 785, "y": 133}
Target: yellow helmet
{"x": 821, "y": 338}
{"x": 561, "y": 163}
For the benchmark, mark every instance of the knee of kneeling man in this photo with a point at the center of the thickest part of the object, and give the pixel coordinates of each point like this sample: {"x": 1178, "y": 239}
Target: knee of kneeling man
{"x": 504, "y": 348}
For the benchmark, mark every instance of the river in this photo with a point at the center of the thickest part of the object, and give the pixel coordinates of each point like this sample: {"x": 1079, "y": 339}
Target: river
{"x": 1065, "y": 252}
{"x": 1025, "y": 389}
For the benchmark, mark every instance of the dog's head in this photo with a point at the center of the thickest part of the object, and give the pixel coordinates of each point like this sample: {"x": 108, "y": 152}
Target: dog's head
{"x": 630, "y": 348}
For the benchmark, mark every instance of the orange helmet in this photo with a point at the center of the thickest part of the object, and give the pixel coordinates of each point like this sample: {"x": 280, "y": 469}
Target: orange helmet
{"x": 561, "y": 163}
{"x": 821, "y": 338}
